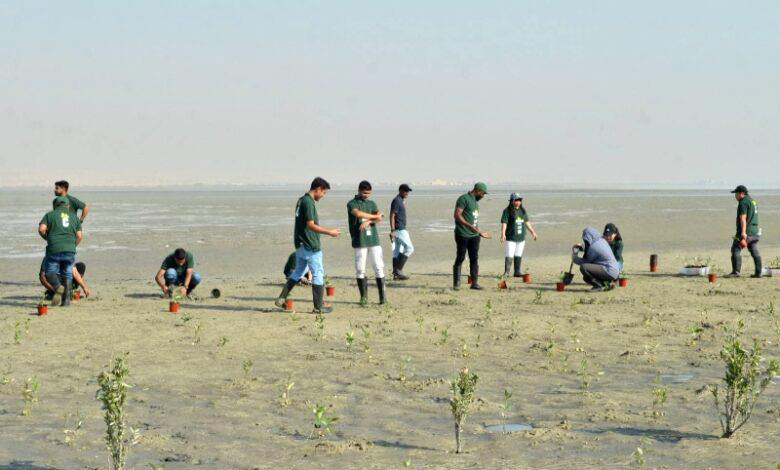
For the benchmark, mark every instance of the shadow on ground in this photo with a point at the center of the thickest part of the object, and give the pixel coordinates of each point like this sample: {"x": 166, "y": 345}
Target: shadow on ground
{"x": 660, "y": 435}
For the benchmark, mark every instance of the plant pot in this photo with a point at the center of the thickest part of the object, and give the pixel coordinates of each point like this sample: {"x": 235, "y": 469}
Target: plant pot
{"x": 216, "y": 293}
{"x": 695, "y": 271}
{"x": 469, "y": 280}
{"x": 712, "y": 277}
{"x": 526, "y": 278}
{"x": 288, "y": 305}
{"x": 173, "y": 307}
{"x": 559, "y": 286}
{"x": 653, "y": 263}
{"x": 502, "y": 284}
{"x": 623, "y": 282}
{"x": 76, "y": 294}
{"x": 330, "y": 291}
{"x": 43, "y": 310}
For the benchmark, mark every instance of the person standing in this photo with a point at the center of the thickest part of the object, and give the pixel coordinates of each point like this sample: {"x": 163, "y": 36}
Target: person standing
{"x": 401, "y": 241}
{"x": 61, "y": 189}
{"x": 62, "y": 231}
{"x": 514, "y": 221}
{"x": 748, "y": 232}
{"x": 468, "y": 234}
{"x": 615, "y": 240}
{"x": 308, "y": 251}
{"x": 362, "y": 216}
{"x": 178, "y": 269}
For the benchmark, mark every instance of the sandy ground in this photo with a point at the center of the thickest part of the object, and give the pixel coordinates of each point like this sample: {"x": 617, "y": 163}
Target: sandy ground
{"x": 195, "y": 406}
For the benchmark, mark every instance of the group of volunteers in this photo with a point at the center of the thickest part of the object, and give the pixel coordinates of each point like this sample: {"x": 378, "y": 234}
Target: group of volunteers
{"x": 600, "y": 263}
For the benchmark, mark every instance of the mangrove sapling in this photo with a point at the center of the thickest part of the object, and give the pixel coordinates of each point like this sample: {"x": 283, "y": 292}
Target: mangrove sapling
{"x": 660, "y": 396}
{"x": 538, "y": 300}
{"x": 463, "y": 388}
{"x": 323, "y": 421}
{"x": 196, "y": 332}
{"x": 420, "y": 320}
{"x": 284, "y": 399}
{"x": 584, "y": 372}
{"x": 112, "y": 392}
{"x": 405, "y": 371}
{"x": 222, "y": 341}
{"x": 72, "y": 434}
{"x": 744, "y": 381}
{"x": 350, "y": 338}
{"x": 29, "y": 395}
{"x": 319, "y": 323}
{"x": 506, "y": 407}
{"x": 366, "y": 336}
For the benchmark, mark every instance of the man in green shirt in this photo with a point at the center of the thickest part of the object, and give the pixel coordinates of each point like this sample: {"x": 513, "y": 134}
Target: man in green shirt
{"x": 468, "y": 234}
{"x": 748, "y": 232}
{"x": 61, "y": 189}
{"x": 62, "y": 231}
{"x": 308, "y": 251}
{"x": 362, "y": 216}
{"x": 178, "y": 269}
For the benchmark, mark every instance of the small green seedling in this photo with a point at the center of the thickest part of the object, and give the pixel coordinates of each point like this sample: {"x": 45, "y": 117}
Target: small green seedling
{"x": 196, "y": 337}
{"x": 538, "y": 299}
{"x": 285, "y": 400}
{"x": 323, "y": 422}
{"x": 112, "y": 392}
{"x": 222, "y": 341}
{"x": 350, "y": 339}
{"x": 463, "y": 389}
{"x": 246, "y": 366}
{"x": 744, "y": 381}
{"x": 660, "y": 395}
{"x": 29, "y": 395}
{"x": 319, "y": 323}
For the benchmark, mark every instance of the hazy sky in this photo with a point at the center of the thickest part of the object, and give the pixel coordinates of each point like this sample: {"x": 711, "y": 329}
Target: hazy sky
{"x": 607, "y": 92}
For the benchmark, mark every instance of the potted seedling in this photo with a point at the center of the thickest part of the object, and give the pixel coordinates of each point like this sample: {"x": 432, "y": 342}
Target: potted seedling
{"x": 288, "y": 305}
{"x": 773, "y": 268}
{"x": 526, "y": 278}
{"x": 330, "y": 289}
{"x": 502, "y": 282}
{"x": 173, "y": 306}
{"x": 560, "y": 286}
{"x": 43, "y": 309}
{"x": 469, "y": 280}
{"x": 653, "y": 263}
{"x": 696, "y": 266}
{"x": 623, "y": 281}
{"x": 76, "y": 295}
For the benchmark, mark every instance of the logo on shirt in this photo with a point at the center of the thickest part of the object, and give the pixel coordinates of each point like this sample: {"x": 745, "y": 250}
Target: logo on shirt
{"x": 65, "y": 219}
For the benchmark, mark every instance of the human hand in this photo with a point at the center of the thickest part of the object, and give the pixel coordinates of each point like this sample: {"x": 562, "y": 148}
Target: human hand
{"x": 334, "y": 233}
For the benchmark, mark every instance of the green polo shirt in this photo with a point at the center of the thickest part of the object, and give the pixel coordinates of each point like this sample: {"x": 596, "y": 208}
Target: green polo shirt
{"x": 170, "y": 262}
{"x": 369, "y": 236}
{"x": 470, "y": 207}
{"x": 62, "y": 226}
{"x": 305, "y": 211}
{"x": 515, "y": 228}
{"x": 747, "y": 207}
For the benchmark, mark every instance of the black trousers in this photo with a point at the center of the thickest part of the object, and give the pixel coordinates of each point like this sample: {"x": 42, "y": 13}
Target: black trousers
{"x": 736, "y": 254}
{"x": 470, "y": 245}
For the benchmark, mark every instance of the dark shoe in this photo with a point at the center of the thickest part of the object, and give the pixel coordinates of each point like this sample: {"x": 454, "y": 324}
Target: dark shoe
{"x": 755, "y": 276}
{"x": 395, "y": 266}
{"x": 398, "y": 273}
{"x": 363, "y": 289}
{"x": 507, "y": 267}
{"x": 288, "y": 286}
{"x": 518, "y": 261}
{"x": 476, "y": 286}
{"x": 67, "y": 293}
{"x": 456, "y": 277}
{"x": 317, "y": 293}
{"x": 732, "y": 274}
{"x": 380, "y": 284}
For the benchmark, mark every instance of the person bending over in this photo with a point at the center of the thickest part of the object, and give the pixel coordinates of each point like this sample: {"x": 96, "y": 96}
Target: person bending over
{"x": 598, "y": 265}
{"x": 178, "y": 270}
{"x": 289, "y": 268}
{"x": 78, "y": 271}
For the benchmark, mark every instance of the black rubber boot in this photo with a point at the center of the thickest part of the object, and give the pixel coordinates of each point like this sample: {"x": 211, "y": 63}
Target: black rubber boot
{"x": 474, "y": 271}
{"x": 363, "y": 289}
{"x": 507, "y": 267}
{"x": 59, "y": 289}
{"x": 317, "y": 293}
{"x": 518, "y": 261}
{"x": 398, "y": 274}
{"x": 279, "y": 302}
{"x": 456, "y": 277}
{"x": 66, "y": 294}
{"x": 758, "y": 266}
{"x": 380, "y": 284}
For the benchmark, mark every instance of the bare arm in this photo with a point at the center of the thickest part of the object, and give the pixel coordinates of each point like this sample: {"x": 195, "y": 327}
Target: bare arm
{"x": 79, "y": 237}
{"x": 531, "y": 229}
{"x": 45, "y": 282}
{"x": 743, "y": 225}
{"x": 84, "y": 213}
{"x": 160, "y": 279}
{"x": 365, "y": 215}
{"x": 503, "y": 232}
{"x": 317, "y": 229}
{"x": 392, "y": 221}
{"x": 43, "y": 230}
{"x": 187, "y": 279}
{"x": 80, "y": 281}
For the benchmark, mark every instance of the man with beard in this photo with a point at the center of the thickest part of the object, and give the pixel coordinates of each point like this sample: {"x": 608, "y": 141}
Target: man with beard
{"x": 468, "y": 234}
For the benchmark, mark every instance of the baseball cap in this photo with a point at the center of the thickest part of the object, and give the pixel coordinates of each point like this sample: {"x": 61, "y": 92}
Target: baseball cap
{"x": 740, "y": 189}
{"x": 60, "y": 201}
{"x": 515, "y": 197}
{"x": 610, "y": 228}
{"x": 404, "y": 188}
{"x": 481, "y": 187}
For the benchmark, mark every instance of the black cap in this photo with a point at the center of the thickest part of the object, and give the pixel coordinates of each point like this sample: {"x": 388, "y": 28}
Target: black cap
{"x": 610, "y": 228}
{"x": 404, "y": 188}
{"x": 740, "y": 189}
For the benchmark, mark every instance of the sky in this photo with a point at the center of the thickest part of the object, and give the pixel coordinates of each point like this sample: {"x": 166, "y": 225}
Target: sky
{"x": 605, "y": 93}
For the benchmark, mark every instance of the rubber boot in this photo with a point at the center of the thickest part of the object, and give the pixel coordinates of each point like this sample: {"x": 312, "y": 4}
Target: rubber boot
{"x": 280, "y": 301}
{"x": 380, "y": 284}
{"x": 507, "y": 267}
{"x": 398, "y": 274}
{"x": 363, "y": 288}
{"x": 67, "y": 292}
{"x": 518, "y": 261}
{"x": 758, "y": 266}
{"x": 59, "y": 289}
{"x": 456, "y": 277}
{"x": 318, "y": 293}
{"x": 395, "y": 266}
{"x": 475, "y": 278}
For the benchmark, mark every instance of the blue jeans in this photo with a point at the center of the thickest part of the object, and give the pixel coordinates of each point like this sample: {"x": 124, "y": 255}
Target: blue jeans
{"x": 312, "y": 260}
{"x": 61, "y": 264}
{"x": 620, "y": 266}
{"x": 172, "y": 277}
{"x": 402, "y": 244}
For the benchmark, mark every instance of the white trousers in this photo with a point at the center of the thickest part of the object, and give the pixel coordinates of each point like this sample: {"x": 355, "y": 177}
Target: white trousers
{"x": 513, "y": 249}
{"x": 362, "y": 255}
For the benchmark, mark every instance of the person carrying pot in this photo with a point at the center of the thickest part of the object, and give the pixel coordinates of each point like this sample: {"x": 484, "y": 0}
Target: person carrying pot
{"x": 598, "y": 265}
{"x": 615, "y": 240}
{"x": 514, "y": 221}
{"x": 62, "y": 231}
{"x": 308, "y": 250}
{"x": 289, "y": 268}
{"x": 748, "y": 232}
{"x": 468, "y": 234}
{"x": 178, "y": 269}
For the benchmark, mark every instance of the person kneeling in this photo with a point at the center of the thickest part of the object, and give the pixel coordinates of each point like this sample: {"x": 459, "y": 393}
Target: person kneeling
{"x": 598, "y": 265}
{"x": 177, "y": 269}
{"x": 78, "y": 271}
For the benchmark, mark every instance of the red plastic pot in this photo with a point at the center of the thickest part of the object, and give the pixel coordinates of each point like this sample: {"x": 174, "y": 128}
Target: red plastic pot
{"x": 502, "y": 284}
{"x": 330, "y": 291}
{"x": 623, "y": 282}
{"x": 653, "y": 263}
{"x": 288, "y": 305}
{"x": 526, "y": 278}
{"x": 173, "y": 307}
{"x": 76, "y": 295}
{"x": 470, "y": 280}
{"x": 559, "y": 286}
{"x": 43, "y": 310}
{"x": 712, "y": 277}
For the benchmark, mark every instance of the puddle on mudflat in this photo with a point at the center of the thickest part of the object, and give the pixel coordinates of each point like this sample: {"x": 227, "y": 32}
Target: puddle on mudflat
{"x": 506, "y": 428}
{"x": 676, "y": 378}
